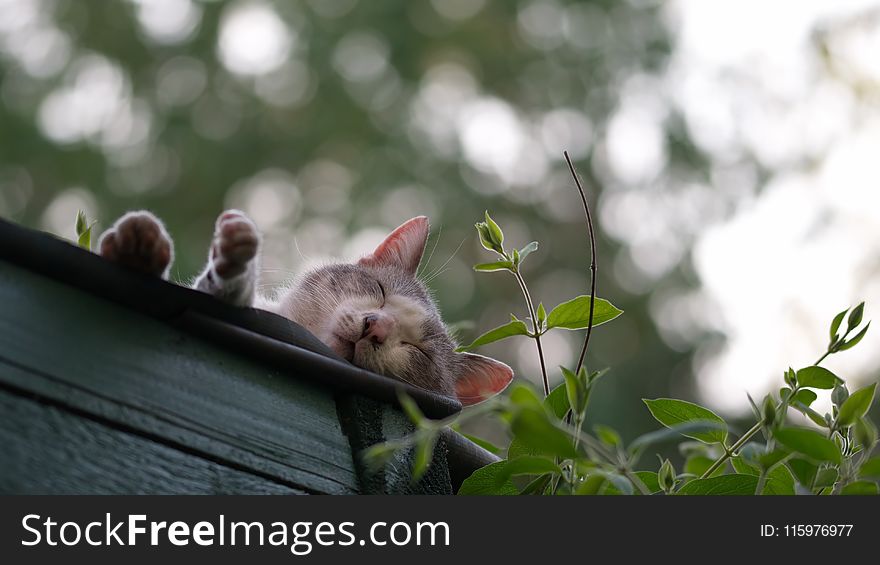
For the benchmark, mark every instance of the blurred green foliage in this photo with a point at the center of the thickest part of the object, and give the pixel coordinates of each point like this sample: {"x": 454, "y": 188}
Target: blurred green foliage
{"x": 352, "y": 116}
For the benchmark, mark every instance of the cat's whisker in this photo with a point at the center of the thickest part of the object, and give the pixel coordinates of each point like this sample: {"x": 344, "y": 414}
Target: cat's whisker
{"x": 451, "y": 257}
{"x": 301, "y": 254}
{"x": 431, "y": 255}
{"x": 434, "y": 276}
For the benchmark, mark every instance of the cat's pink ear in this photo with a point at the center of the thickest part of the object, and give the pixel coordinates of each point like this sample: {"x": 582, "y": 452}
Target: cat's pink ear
{"x": 403, "y": 247}
{"x": 480, "y": 378}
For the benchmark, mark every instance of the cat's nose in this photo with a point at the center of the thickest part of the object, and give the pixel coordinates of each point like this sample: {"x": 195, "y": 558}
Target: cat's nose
{"x": 377, "y": 327}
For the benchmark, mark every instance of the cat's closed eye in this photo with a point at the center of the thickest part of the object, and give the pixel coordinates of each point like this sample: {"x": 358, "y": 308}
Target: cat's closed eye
{"x": 382, "y": 292}
{"x": 418, "y": 349}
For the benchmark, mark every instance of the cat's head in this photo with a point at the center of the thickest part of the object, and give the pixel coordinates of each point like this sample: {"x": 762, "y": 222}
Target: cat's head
{"x": 377, "y": 314}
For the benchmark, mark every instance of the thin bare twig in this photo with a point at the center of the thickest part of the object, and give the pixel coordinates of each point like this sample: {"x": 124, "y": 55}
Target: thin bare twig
{"x": 589, "y": 218}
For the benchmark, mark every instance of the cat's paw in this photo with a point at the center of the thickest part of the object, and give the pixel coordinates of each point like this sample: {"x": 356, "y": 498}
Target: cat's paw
{"x": 236, "y": 242}
{"x": 139, "y": 241}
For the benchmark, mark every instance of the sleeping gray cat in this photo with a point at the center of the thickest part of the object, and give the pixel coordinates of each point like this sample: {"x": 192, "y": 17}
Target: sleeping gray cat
{"x": 375, "y": 313}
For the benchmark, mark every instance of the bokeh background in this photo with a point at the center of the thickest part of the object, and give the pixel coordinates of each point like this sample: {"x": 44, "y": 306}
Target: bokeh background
{"x": 731, "y": 150}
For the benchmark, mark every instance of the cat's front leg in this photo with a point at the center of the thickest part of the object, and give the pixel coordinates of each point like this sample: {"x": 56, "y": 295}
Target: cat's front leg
{"x": 231, "y": 272}
{"x": 139, "y": 241}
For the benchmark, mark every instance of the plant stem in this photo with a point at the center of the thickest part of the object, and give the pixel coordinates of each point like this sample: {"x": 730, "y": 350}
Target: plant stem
{"x": 762, "y": 480}
{"x": 578, "y": 425}
{"x": 634, "y": 479}
{"x": 535, "y": 329}
{"x": 732, "y": 451}
{"x": 833, "y": 347}
{"x": 592, "y": 235}
{"x": 827, "y": 353}
{"x": 597, "y": 446}
{"x": 783, "y": 407}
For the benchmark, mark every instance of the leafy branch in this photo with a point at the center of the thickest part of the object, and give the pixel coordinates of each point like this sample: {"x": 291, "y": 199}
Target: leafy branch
{"x": 550, "y": 452}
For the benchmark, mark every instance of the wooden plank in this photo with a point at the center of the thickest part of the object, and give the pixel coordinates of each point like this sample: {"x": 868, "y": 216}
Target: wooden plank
{"x": 398, "y": 473}
{"x": 367, "y": 423}
{"x": 51, "y": 451}
{"x": 130, "y": 369}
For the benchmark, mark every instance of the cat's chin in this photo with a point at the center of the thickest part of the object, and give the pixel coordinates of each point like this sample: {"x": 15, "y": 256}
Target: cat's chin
{"x": 343, "y": 347}
{"x": 360, "y": 353}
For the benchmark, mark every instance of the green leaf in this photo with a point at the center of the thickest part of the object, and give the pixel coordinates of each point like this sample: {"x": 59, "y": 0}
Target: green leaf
{"x": 424, "y": 453}
{"x": 377, "y": 456}
{"x": 617, "y": 484}
{"x": 527, "y": 250}
{"x": 860, "y": 488}
{"x": 538, "y": 485}
{"x": 808, "y": 442}
{"x": 524, "y": 396}
{"x": 596, "y": 375}
{"x": 512, "y": 328}
{"x": 83, "y": 230}
{"x": 483, "y": 481}
{"x": 535, "y": 431}
{"x": 494, "y": 266}
{"x": 608, "y": 436}
{"x": 557, "y": 401}
{"x": 805, "y": 471}
{"x": 855, "y": 317}
{"x": 743, "y": 467}
{"x": 768, "y": 411}
{"x": 805, "y": 397}
{"x": 666, "y": 476}
{"x": 699, "y": 464}
{"x": 575, "y": 313}
{"x": 81, "y": 222}
{"x": 576, "y": 389}
{"x": 839, "y": 394}
{"x": 410, "y": 408}
{"x": 835, "y": 325}
{"x": 854, "y": 341}
{"x": 856, "y": 405}
{"x": 773, "y": 458}
{"x": 750, "y": 452}
{"x": 673, "y": 432}
{"x": 790, "y": 377}
{"x": 755, "y": 410}
{"x": 486, "y": 237}
{"x": 825, "y": 478}
{"x": 865, "y": 433}
{"x": 690, "y": 448}
{"x": 527, "y": 465}
{"x": 870, "y": 468}
{"x": 592, "y": 484}
{"x": 85, "y": 239}
{"x": 494, "y": 230}
{"x": 811, "y": 414}
{"x": 817, "y": 377}
{"x": 779, "y": 481}
{"x": 649, "y": 479}
{"x": 487, "y": 445}
{"x": 670, "y": 412}
{"x": 723, "y": 485}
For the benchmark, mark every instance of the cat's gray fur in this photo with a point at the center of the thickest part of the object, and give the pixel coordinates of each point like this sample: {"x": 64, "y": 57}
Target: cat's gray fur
{"x": 375, "y": 313}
